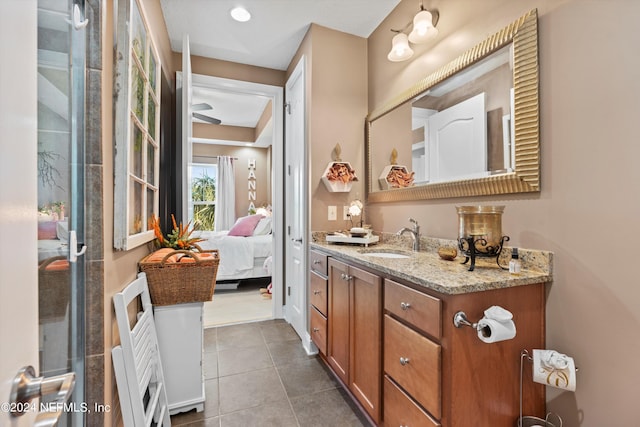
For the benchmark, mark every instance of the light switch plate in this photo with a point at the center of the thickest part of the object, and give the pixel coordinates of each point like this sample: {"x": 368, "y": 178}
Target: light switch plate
{"x": 332, "y": 213}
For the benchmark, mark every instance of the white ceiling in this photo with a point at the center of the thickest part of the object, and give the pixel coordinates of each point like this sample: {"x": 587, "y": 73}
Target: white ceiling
{"x": 269, "y": 39}
{"x": 272, "y": 36}
{"x": 234, "y": 109}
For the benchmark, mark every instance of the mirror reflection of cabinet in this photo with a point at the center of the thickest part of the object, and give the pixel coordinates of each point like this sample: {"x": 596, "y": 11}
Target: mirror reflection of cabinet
{"x": 420, "y": 131}
{"x": 504, "y": 68}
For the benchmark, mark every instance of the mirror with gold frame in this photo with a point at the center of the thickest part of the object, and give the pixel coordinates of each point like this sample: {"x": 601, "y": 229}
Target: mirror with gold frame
{"x": 506, "y": 157}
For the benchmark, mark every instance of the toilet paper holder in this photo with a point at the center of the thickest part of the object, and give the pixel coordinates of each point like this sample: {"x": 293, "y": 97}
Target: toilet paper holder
{"x": 496, "y": 325}
{"x": 460, "y": 320}
{"x": 494, "y": 312}
{"x": 525, "y": 355}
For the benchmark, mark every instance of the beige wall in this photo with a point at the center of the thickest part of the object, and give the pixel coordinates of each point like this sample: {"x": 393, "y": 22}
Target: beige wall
{"x": 336, "y": 108}
{"x": 120, "y": 268}
{"x": 231, "y": 70}
{"x": 588, "y": 205}
{"x": 224, "y": 132}
{"x": 206, "y": 153}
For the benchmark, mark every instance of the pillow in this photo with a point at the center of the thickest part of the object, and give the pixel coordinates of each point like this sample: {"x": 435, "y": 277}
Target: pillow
{"x": 244, "y": 226}
{"x": 264, "y": 227}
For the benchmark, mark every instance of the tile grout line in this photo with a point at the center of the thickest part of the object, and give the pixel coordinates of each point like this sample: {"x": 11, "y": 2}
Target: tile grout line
{"x": 295, "y": 416}
{"x": 218, "y": 377}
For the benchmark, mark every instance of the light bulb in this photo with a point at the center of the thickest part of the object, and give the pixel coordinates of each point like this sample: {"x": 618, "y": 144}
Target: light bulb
{"x": 423, "y": 29}
{"x": 240, "y": 14}
{"x": 400, "y": 50}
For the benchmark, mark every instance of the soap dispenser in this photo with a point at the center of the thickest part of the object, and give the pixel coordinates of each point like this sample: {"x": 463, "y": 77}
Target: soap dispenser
{"x": 514, "y": 264}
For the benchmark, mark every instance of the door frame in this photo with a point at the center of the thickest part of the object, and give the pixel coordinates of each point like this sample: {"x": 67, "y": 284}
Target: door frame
{"x": 276, "y": 94}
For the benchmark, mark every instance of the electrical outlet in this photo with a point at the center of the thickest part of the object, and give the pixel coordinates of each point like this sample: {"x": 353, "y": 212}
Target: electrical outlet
{"x": 345, "y": 213}
{"x": 332, "y": 213}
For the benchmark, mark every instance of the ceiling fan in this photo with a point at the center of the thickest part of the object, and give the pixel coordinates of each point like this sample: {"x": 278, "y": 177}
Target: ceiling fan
{"x": 203, "y": 107}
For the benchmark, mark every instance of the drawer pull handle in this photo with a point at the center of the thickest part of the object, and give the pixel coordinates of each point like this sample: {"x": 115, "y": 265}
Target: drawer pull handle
{"x": 316, "y": 292}
{"x": 404, "y": 361}
{"x": 405, "y": 305}
{"x": 317, "y": 261}
{"x": 346, "y": 277}
{"x": 316, "y": 330}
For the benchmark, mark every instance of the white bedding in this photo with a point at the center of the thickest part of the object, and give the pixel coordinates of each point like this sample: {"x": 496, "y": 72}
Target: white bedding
{"x": 238, "y": 255}
{"x": 51, "y": 248}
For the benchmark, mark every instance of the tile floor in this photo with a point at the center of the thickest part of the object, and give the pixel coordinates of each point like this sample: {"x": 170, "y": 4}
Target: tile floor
{"x": 257, "y": 374}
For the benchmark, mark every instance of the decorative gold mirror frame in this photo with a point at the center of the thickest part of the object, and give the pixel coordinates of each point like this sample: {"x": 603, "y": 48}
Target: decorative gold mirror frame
{"x": 526, "y": 177}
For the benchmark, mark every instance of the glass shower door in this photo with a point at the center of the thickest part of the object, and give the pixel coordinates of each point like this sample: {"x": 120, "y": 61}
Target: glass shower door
{"x": 61, "y": 68}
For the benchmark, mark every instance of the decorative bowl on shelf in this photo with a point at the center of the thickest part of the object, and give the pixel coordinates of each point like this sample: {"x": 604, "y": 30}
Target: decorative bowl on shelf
{"x": 395, "y": 176}
{"x": 338, "y": 177}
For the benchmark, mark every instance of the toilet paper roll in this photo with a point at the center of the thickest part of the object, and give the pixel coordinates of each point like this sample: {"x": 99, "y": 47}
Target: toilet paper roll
{"x": 554, "y": 369}
{"x": 491, "y": 330}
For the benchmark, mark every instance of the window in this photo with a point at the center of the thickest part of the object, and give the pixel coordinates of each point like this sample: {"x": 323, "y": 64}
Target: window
{"x": 137, "y": 129}
{"x": 202, "y": 206}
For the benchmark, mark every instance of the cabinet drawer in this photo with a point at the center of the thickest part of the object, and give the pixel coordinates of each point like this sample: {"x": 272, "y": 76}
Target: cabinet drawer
{"x": 319, "y": 330}
{"x": 413, "y": 362}
{"x": 318, "y": 293}
{"x": 318, "y": 262}
{"x": 421, "y": 310}
{"x": 401, "y": 410}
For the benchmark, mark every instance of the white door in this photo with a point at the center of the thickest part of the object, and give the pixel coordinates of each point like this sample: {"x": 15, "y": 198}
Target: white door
{"x": 457, "y": 143}
{"x": 296, "y": 217}
{"x": 18, "y": 198}
{"x": 19, "y": 326}
{"x": 184, "y": 88}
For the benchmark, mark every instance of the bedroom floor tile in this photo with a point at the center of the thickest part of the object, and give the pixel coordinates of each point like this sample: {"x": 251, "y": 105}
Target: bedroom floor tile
{"x": 258, "y": 374}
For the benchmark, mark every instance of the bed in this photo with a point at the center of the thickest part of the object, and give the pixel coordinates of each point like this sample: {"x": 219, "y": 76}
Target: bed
{"x": 52, "y": 239}
{"x": 245, "y": 250}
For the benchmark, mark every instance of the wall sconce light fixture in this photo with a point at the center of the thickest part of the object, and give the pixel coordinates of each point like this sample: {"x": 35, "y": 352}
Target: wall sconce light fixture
{"x": 400, "y": 50}
{"x": 424, "y": 29}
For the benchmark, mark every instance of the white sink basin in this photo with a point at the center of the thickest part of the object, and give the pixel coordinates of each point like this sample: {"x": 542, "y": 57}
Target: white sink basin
{"x": 385, "y": 255}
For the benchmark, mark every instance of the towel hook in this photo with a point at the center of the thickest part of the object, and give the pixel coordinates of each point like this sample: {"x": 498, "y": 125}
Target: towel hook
{"x": 76, "y": 20}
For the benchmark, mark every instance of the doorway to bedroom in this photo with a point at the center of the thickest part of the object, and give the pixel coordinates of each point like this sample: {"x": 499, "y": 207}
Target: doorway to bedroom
{"x": 242, "y": 124}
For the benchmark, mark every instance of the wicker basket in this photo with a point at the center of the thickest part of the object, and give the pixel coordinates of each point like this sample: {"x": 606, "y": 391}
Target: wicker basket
{"x": 54, "y": 283}
{"x": 181, "y": 276}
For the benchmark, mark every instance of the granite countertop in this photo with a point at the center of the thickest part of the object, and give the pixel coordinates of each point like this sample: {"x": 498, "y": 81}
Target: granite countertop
{"x": 427, "y": 269}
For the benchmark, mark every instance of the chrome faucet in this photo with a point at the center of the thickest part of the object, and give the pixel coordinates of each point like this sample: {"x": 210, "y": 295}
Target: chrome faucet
{"x": 415, "y": 233}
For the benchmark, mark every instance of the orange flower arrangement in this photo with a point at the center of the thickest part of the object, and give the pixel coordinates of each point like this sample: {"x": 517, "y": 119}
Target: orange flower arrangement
{"x": 179, "y": 238}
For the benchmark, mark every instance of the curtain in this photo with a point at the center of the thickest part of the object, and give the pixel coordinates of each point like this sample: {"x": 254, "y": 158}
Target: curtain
{"x": 225, "y": 195}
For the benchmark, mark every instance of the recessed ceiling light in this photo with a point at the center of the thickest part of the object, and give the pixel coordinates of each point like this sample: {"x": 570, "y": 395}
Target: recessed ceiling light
{"x": 240, "y": 14}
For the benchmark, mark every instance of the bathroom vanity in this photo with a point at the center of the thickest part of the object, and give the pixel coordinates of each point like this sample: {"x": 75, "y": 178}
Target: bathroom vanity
{"x": 384, "y": 326}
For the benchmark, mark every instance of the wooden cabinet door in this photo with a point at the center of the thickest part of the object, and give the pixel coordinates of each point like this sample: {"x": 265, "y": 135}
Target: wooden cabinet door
{"x": 338, "y": 319}
{"x": 365, "y": 369}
